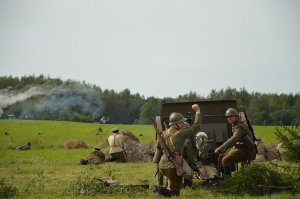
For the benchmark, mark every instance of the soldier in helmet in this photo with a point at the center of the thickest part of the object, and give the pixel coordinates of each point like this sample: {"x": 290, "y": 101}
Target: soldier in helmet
{"x": 116, "y": 147}
{"x": 175, "y": 138}
{"x": 239, "y": 147}
{"x": 96, "y": 157}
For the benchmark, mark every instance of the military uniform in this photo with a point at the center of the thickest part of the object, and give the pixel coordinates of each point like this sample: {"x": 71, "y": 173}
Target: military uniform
{"x": 239, "y": 147}
{"x": 175, "y": 140}
{"x": 96, "y": 157}
{"x": 116, "y": 147}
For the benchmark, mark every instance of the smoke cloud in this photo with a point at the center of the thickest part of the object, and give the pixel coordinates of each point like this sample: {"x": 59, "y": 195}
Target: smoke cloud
{"x": 59, "y": 102}
{"x": 9, "y": 97}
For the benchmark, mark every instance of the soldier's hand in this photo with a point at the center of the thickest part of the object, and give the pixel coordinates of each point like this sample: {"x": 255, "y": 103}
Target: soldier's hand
{"x": 196, "y": 107}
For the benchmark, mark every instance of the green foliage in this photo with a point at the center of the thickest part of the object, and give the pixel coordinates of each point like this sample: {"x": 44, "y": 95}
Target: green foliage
{"x": 257, "y": 179}
{"x": 7, "y": 189}
{"x": 35, "y": 185}
{"x": 290, "y": 138}
{"x": 87, "y": 184}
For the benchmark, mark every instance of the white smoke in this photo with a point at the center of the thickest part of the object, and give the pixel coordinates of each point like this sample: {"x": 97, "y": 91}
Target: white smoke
{"x": 9, "y": 97}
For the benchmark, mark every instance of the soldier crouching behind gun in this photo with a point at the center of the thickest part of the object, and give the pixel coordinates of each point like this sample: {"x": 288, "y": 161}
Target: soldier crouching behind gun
{"x": 237, "y": 148}
{"x": 174, "y": 138}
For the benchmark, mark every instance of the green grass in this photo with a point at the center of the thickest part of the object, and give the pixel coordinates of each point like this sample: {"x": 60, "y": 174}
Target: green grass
{"x": 47, "y": 170}
{"x": 56, "y": 133}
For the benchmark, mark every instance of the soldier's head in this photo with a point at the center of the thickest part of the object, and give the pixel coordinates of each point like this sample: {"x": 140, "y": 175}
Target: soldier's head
{"x": 115, "y": 130}
{"x": 97, "y": 148}
{"x": 177, "y": 120}
{"x": 28, "y": 143}
{"x": 231, "y": 115}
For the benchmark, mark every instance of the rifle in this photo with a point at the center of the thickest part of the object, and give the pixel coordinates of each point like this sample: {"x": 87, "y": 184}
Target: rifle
{"x": 251, "y": 129}
{"x": 250, "y": 126}
{"x": 178, "y": 168}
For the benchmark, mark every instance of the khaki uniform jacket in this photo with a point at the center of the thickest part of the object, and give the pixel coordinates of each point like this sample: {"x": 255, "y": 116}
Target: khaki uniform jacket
{"x": 175, "y": 140}
{"x": 242, "y": 134}
{"x": 116, "y": 143}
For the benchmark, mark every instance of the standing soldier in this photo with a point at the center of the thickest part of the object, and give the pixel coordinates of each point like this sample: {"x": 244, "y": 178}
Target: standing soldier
{"x": 175, "y": 137}
{"x": 237, "y": 148}
{"x": 116, "y": 147}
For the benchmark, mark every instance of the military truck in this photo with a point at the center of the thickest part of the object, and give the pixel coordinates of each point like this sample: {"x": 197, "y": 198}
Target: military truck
{"x": 213, "y": 124}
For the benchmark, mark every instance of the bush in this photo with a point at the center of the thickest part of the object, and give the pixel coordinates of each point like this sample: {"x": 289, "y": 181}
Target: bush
{"x": 257, "y": 179}
{"x": 7, "y": 189}
{"x": 290, "y": 138}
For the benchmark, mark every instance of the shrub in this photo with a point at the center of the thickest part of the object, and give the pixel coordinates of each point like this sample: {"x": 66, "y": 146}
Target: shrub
{"x": 257, "y": 179}
{"x": 290, "y": 138}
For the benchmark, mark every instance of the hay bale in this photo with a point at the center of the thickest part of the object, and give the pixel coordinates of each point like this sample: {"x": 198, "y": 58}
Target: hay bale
{"x": 75, "y": 144}
{"x": 147, "y": 150}
{"x": 128, "y": 135}
{"x": 133, "y": 151}
{"x": 272, "y": 152}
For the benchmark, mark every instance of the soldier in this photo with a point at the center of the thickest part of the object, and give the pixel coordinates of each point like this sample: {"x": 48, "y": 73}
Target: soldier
{"x": 261, "y": 150}
{"x": 190, "y": 155}
{"x": 24, "y": 147}
{"x": 175, "y": 138}
{"x": 237, "y": 148}
{"x": 96, "y": 157}
{"x": 116, "y": 147}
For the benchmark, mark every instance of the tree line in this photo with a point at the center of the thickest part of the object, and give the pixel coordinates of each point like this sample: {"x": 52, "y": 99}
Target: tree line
{"x": 71, "y": 100}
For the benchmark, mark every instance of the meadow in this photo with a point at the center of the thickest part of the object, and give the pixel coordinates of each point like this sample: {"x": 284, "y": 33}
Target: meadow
{"x": 49, "y": 170}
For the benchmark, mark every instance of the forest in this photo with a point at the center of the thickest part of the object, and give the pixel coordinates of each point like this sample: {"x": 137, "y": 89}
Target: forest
{"x": 45, "y": 98}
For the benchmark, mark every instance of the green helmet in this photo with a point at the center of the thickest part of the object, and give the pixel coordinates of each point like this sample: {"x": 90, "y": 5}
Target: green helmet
{"x": 175, "y": 118}
{"x": 230, "y": 112}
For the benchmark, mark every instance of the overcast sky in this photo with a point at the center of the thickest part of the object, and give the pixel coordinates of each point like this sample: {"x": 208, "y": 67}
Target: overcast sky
{"x": 161, "y": 48}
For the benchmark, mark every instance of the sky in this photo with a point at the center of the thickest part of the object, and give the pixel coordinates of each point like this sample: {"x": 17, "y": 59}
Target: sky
{"x": 160, "y": 48}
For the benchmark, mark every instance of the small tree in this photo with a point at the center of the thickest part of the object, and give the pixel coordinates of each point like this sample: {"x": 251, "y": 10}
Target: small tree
{"x": 290, "y": 138}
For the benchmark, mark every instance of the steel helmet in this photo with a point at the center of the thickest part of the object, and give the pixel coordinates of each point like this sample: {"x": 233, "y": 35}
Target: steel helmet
{"x": 230, "y": 112}
{"x": 176, "y": 118}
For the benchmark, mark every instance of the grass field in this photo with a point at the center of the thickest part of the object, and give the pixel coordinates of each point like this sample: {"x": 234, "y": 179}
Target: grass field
{"x": 48, "y": 169}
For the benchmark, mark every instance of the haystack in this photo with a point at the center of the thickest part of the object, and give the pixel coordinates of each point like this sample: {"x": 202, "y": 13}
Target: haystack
{"x": 75, "y": 144}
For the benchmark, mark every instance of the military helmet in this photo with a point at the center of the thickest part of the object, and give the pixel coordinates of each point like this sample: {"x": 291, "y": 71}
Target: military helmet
{"x": 115, "y": 130}
{"x": 176, "y": 118}
{"x": 230, "y": 112}
{"x": 97, "y": 147}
